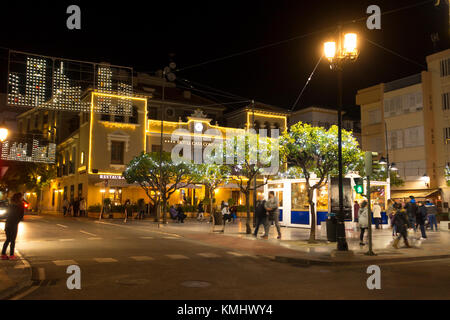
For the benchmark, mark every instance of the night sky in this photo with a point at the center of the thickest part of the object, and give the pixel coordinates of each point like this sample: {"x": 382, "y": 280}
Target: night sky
{"x": 142, "y": 36}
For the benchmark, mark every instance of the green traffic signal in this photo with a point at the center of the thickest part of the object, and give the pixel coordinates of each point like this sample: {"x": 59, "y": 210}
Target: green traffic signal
{"x": 359, "y": 189}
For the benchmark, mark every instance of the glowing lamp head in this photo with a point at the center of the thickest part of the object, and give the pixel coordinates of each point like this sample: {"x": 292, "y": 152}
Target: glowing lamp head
{"x": 350, "y": 44}
{"x": 329, "y": 50}
{"x": 3, "y": 134}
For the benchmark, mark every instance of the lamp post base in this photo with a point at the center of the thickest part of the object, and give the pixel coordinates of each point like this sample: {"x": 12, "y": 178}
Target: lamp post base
{"x": 342, "y": 244}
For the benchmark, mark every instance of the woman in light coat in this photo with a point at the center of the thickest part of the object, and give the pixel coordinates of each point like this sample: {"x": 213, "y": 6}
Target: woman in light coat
{"x": 363, "y": 220}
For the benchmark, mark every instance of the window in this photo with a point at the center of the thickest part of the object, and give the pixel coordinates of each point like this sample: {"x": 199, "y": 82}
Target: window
{"x": 445, "y": 67}
{"x": 36, "y": 121}
{"x": 73, "y": 160}
{"x": 374, "y": 116}
{"x": 117, "y": 149}
{"x": 134, "y": 117}
{"x": 406, "y": 103}
{"x": 446, "y": 101}
{"x": 65, "y": 193}
{"x": 414, "y": 137}
{"x": 72, "y": 192}
{"x": 395, "y": 139}
{"x": 447, "y": 135}
{"x": 299, "y": 198}
{"x": 156, "y": 147}
{"x": 80, "y": 190}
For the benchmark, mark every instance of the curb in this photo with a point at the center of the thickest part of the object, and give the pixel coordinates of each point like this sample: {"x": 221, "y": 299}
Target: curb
{"x": 9, "y": 293}
{"x": 306, "y": 261}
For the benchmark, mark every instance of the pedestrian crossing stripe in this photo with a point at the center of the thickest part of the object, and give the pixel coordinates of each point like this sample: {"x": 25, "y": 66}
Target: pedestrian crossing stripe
{"x": 146, "y": 237}
{"x": 142, "y": 258}
{"x": 64, "y": 262}
{"x": 95, "y": 238}
{"x": 208, "y": 255}
{"x": 176, "y": 256}
{"x": 65, "y": 240}
{"x": 105, "y": 260}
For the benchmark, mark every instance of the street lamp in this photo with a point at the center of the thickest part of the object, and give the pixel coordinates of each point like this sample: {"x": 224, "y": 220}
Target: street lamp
{"x": 338, "y": 53}
{"x": 3, "y": 134}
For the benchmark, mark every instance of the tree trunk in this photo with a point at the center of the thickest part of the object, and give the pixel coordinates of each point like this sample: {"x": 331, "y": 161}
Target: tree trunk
{"x": 312, "y": 234}
{"x": 247, "y": 204}
{"x": 163, "y": 209}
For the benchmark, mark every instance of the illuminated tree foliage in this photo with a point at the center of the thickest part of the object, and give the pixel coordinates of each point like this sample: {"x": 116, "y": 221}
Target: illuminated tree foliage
{"x": 211, "y": 175}
{"x": 313, "y": 151}
{"x": 158, "y": 179}
{"x": 254, "y": 156}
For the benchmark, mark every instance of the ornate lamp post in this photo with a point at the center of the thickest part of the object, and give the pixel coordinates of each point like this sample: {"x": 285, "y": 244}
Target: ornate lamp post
{"x": 338, "y": 54}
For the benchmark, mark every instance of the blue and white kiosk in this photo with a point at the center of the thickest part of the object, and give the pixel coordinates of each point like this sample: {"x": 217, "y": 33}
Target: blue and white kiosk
{"x": 294, "y": 207}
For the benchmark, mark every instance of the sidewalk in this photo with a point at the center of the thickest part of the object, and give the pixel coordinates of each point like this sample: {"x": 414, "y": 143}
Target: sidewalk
{"x": 294, "y": 247}
{"x": 14, "y": 276}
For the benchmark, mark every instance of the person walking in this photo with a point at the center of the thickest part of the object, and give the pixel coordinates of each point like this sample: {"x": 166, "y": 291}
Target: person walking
{"x": 76, "y": 207}
{"x": 180, "y": 214}
{"x": 233, "y": 212}
{"x": 226, "y": 216}
{"x": 431, "y": 214}
{"x": 141, "y": 208}
{"x": 401, "y": 221}
{"x": 377, "y": 214}
{"x": 356, "y": 208}
{"x": 173, "y": 212}
{"x": 363, "y": 221}
{"x": 200, "y": 211}
{"x": 15, "y": 215}
{"x": 273, "y": 213}
{"x": 261, "y": 217}
{"x": 411, "y": 210}
{"x": 65, "y": 206}
{"x": 390, "y": 213}
{"x": 82, "y": 207}
{"x": 420, "y": 219}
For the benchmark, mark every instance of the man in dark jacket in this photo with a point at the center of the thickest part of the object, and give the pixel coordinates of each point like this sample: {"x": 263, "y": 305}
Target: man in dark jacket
{"x": 260, "y": 215}
{"x": 420, "y": 218}
{"x": 401, "y": 224}
{"x": 411, "y": 211}
{"x": 15, "y": 215}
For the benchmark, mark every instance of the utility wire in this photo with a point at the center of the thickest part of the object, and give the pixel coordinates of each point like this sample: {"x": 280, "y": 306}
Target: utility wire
{"x": 301, "y": 36}
{"x": 394, "y": 53}
{"x": 306, "y": 84}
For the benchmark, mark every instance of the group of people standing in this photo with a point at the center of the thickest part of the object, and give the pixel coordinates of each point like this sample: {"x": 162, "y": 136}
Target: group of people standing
{"x": 75, "y": 208}
{"x": 177, "y": 213}
{"x": 266, "y": 212}
{"x": 403, "y": 216}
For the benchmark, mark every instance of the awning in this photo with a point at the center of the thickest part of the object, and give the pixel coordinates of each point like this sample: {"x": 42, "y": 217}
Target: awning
{"x": 404, "y": 194}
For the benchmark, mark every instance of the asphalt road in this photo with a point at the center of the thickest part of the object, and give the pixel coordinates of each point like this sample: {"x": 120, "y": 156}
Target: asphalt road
{"x": 139, "y": 261}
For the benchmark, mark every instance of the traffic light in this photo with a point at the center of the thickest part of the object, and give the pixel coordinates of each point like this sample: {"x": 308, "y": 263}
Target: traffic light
{"x": 370, "y": 162}
{"x": 359, "y": 187}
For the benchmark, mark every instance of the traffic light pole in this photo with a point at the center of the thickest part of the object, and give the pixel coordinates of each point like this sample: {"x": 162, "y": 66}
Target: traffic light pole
{"x": 369, "y": 218}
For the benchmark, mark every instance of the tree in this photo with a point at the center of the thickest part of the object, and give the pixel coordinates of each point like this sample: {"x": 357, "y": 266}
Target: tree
{"x": 253, "y": 153}
{"x": 313, "y": 151}
{"x": 28, "y": 177}
{"x": 156, "y": 177}
{"x": 211, "y": 175}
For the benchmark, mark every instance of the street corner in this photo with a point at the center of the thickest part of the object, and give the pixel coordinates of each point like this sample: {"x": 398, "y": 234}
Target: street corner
{"x": 15, "y": 276}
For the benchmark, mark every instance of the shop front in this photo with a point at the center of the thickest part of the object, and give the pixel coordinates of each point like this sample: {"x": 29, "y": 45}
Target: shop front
{"x": 295, "y": 210}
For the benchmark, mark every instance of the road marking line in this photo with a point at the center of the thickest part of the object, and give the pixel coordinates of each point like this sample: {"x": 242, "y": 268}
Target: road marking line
{"x": 105, "y": 260}
{"x": 171, "y": 238}
{"x": 62, "y": 226}
{"x": 142, "y": 258}
{"x": 23, "y": 294}
{"x": 146, "y": 237}
{"x": 176, "y": 256}
{"x": 66, "y": 240}
{"x": 120, "y": 238}
{"x": 64, "y": 262}
{"x": 95, "y": 238}
{"x": 88, "y": 233}
{"x": 208, "y": 255}
{"x": 238, "y": 254}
